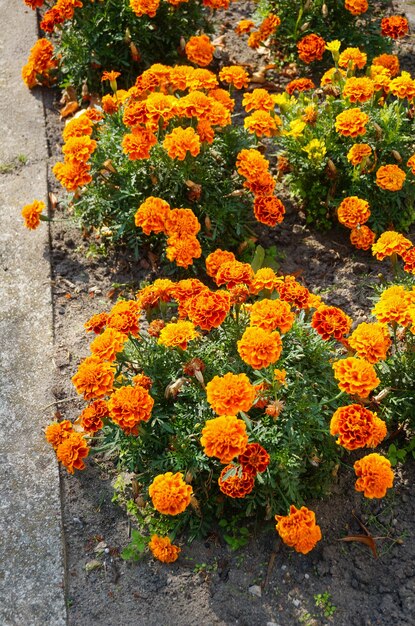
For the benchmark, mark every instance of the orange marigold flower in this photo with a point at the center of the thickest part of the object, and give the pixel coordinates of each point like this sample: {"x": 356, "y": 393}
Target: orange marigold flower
{"x": 124, "y": 317}
{"x": 138, "y": 143}
{"x": 34, "y": 4}
{"x": 259, "y": 348}
{"x": 31, "y": 214}
{"x": 149, "y": 297}
{"x": 394, "y": 26}
{"x": 358, "y": 89}
{"x": 92, "y": 416}
{"x": 356, "y": 7}
{"x": 331, "y": 322}
{"x": 232, "y": 273}
{"x": 409, "y": 258}
{"x": 94, "y": 378}
{"x": 389, "y": 62}
{"x": 215, "y": 259}
{"x": 96, "y": 323}
{"x": 57, "y": 432}
{"x": 255, "y": 459}
{"x": 183, "y": 251}
{"x": 258, "y": 100}
{"x": 163, "y": 550}
{"x": 268, "y": 26}
{"x": 151, "y": 215}
{"x": 280, "y": 376}
{"x": 107, "y": 345}
{"x": 205, "y": 131}
{"x": 357, "y": 427}
{"x": 299, "y": 84}
{"x": 353, "y": 212}
{"x": 272, "y": 314}
{"x": 71, "y": 452}
{"x": 222, "y": 96}
{"x": 262, "y": 124}
{"x": 112, "y": 75}
{"x": 355, "y": 376}
{"x": 403, "y": 86}
{"x": 311, "y": 48}
{"x": 309, "y": 117}
{"x": 299, "y": 530}
{"x": 294, "y": 293}
{"x": 79, "y": 148}
{"x": 181, "y": 141}
{"x": 145, "y": 7}
{"x": 224, "y": 437}
{"x": 411, "y": 163}
{"x": 243, "y": 27}
{"x": 141, "y": 380}
{"x": 352, "y": 57}
{"x": 128, "y": 406}
{"x": 370, "y": 341}
{"x": 362, "y": 237}
{"x": 169, "y": 493}
{"x": 394, "y": 305}
{"x": 239, "y": 294}
{"x": 351, "y": 122}
{"x": 269, "y": 210}
{"x": 251, "y": 163}
{"x": 265, "y": 278}
{"x": 202, "y": 79}
{"x": 199, "y": 50}
{"x": 255, "y": 39}
{"x": 390, "y": 243}
{"x": 374, "y": 475}
{"x": 390, "y": 177}
{"x": 359, "y": 153}
{"x": 184, "y": 290}
{"x": 181, "y": 223}
{"x": 77, "y": 127}
{"x": 231, "y": 393}
{"x": 236, "y": 482}
{"x": 110, "y": 104}
{"x": 177, "y": 334}
{"x": 72, "y": 175}
{"x": 234, "y": 75}
{"x": 209, "y": 309}
{"x": 155, "y": 327}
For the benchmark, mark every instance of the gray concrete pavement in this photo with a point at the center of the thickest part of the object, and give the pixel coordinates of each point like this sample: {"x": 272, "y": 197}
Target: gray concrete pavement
{"x": 31, "y": 537}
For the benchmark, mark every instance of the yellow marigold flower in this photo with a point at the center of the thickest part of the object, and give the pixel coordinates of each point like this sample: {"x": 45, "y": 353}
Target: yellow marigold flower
{"x": 332, "y": 75}
{"x": 31, "y": 214}
{"x": 181, "y": 141}
{"x": 271, "y": 315}
{"x": 359, "y": 153}
{"x": 362, "y": 237}
{"x": 169, "y": 493}
{"x": 356, "y": 7}
{"x": 309, "y": 116}
{"x": 94, "y": 378}
{"x": 280, "y": 376}
{"x": 333, "y": 46}
{"x": 107, "y": 345}
{"x": 231, "y": 393}
{"x": 57, "y": 432}
{"x": 265, "y": 278}
{"x": 331, "y": 322}
{"x": 374, "y": 475}
{"x": 244, "y": 26}
{"x": 370, "y": 341}
{"x": 316, "y": 150}
{"x": 352, "y": 57}
{"x": 234, "y": 75}
{"x": 128, "y": 406}
{"x": 388, "y": 61}
{"x": 177, "y": 334}
{"x": 353, "y": 211}
{"x": 355, "y": 376}
{"x": 71, "y": 452}
{"x": 259, "y": 348}
{"x": 381, "y": 78}
{"x": 390, "y": 177}
{"x": 163, "y": 550}
{"x": 299, "y": 530}
{"x": 390, "y": 243}
{"x": 199, "y": 50}
{"x": 358, "y": 89}
{"x": 351, "y": 122}
{"x": 296, "y": 128}
{"x": 357, "y": 427}
{"x": 262, "y": 124}
{"x": 394, "y": 306}
{"x": 224, "y": 437}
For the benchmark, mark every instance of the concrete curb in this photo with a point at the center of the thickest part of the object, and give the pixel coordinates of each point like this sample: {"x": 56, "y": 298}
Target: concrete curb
{"x": 31, "y": 536}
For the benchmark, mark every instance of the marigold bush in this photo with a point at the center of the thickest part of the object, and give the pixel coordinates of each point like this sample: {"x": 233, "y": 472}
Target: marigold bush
{"x": 212, "y": 419}
{"x": 346, "y": 150}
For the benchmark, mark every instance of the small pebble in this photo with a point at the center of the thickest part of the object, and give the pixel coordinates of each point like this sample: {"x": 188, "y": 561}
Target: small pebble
{"x": 296, "y": 602}
{"x": 255, "y": 590}
{"x": 306, "y": 576}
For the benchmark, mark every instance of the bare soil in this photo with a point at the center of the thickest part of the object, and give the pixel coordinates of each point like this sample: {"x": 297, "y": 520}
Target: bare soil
{"x": 263, "y": 584}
